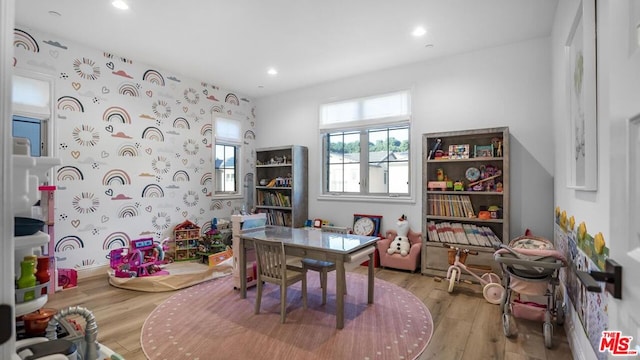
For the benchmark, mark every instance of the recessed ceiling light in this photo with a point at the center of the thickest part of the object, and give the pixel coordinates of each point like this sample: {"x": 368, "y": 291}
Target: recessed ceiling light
{"x": 272, "y": 71}
{"x": 429, "y": 46}
{"x": 120, "y": 4}
{"x": 54, "y": 13}
{"x": 260, "y": 86}
{"x": 419, "y": 31}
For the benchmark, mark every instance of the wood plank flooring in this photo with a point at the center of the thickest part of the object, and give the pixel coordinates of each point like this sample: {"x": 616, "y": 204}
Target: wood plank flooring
{"x": 465, "y": 325}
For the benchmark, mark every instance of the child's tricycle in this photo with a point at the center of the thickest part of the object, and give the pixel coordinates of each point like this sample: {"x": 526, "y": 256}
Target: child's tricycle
{"x": 492, "y": 291}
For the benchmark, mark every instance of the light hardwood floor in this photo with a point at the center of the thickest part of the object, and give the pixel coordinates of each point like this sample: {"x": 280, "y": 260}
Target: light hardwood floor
{"x": 465, "y": 325}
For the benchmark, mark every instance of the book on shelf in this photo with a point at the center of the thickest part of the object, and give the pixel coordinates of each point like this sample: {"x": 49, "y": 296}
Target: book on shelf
{"x": 463, "y": 234}
{"x": 450, "y": 205}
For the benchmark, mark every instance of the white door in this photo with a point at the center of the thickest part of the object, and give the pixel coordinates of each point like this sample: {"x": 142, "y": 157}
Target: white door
{"x": 624, "y": 109}
{"x": 7, "y": 292}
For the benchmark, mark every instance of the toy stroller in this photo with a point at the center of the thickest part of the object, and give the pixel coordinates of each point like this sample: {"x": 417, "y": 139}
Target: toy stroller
{"x": 492, "y": 291}
{"x": 531, "y": 265}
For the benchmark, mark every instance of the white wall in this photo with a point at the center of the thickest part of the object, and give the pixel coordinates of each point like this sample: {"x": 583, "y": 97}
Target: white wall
{"x": 503, "y": 86}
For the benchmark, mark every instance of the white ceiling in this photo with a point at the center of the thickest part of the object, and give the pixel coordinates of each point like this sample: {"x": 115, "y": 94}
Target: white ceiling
{"x": 232, "y": 43}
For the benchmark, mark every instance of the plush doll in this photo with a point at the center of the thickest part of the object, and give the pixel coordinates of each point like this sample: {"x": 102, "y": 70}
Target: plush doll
{"x": 401, "y": 242}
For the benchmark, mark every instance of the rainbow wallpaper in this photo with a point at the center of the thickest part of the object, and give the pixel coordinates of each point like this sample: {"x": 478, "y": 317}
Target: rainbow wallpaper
{"x": 135, "y": 144}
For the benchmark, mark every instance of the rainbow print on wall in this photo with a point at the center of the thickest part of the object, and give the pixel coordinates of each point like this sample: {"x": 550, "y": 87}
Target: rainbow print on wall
{"x": 128, "y": 211}
{"x": 116, "y": 240}
{"x": 128, "y": 88}
{"x": 68, "y": 243}
{"x": 206, "y": 130}
{"x": 153, "y": 133}
{"x": 116, "y": 114}
{"x": 181, "y": 123}
{"x": 153, "y": 77}
{"x": 128, "y": 150}
{"x": 152, "y": 191}
{"x": 22, "y": 40}
{"x": 180, "y": 175}
{"x": 206, "y": 179}
{"x": 69, "y": 103}
{"x": 116, "y": 177}
{"x": 231, "y": 98}
{"x": 69, "y": 173}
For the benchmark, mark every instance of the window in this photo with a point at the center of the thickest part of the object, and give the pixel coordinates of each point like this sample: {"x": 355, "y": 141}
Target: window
{"x": 32, "y": 129}
{"x": 366, "y": 148}
{"x": 31, "y": 102}
{"x": 228, "y": 138}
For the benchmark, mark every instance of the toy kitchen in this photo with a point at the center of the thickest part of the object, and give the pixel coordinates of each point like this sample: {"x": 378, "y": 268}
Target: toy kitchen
{"x": 29, "y": 330}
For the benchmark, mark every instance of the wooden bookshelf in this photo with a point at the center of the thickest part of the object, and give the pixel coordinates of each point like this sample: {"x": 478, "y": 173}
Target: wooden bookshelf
{"x": 281, "y": 185}
{"x": 454, "y": 216}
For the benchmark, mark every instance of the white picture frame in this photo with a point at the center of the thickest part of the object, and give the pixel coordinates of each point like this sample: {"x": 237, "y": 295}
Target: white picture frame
{"x": 580, "y": 54}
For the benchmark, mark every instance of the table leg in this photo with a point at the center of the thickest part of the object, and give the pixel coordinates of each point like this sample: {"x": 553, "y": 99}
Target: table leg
{"x": 340, "y": 286}
{"x": 242, "y": 271}
{"x": 371, "y": 277}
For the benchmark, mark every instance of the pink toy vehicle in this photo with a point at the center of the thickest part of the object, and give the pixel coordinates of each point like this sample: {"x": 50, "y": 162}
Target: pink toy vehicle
{"x": 142, "y": 258}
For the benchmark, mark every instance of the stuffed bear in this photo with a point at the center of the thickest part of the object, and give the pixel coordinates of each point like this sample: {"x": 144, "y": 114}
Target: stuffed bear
{"x": 401, "y": 242}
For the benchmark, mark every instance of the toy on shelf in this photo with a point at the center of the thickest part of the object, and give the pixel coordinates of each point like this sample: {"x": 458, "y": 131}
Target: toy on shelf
{"x": 142, "y": 258}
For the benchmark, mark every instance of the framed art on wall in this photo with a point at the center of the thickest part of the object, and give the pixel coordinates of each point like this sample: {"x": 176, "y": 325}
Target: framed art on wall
{"x": 580, "y": 54}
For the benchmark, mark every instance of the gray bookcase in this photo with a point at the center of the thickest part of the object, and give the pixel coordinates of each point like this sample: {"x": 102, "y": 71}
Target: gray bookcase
{"x": 281, "y": 188}
{"x": 464, "y": 157}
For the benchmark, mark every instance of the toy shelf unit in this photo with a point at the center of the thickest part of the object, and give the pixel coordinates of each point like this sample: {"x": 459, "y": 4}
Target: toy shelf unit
{"x": 29, "y": 239}
{"x": 186, "y": 237}
{"x": 465, "y": 199}
{"x": 242, "y": 224}
{"x": 281, "y": 185}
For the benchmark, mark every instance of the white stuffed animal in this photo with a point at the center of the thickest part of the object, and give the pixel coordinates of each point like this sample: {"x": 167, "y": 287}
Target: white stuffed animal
{"x": 401, "y": 242}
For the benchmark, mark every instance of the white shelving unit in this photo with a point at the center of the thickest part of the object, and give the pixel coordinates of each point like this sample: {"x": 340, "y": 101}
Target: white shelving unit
{"x": 28, "y": 173}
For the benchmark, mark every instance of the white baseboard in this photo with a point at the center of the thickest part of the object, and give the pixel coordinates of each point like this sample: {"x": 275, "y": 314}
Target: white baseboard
{"x": 89, "y": 272}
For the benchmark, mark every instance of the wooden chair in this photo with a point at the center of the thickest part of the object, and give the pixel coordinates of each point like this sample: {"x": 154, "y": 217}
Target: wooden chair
{"x": 323, "y": 267}
{"x": 272, "y": 267}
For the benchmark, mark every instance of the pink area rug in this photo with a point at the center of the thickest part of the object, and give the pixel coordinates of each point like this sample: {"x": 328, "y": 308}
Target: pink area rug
{"x": 210, "y": 321}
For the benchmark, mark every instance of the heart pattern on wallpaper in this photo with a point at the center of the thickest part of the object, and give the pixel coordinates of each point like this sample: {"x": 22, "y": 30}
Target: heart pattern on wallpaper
{"x": 148, "y": 150}
{"x": 204, "y": 190}
{"x": 75, "y": 223}
{"x": 109, "y": 192}
{"x": 205, "y": 141}
{"x": 75, "y": 154}
{"x": 205, "y": 92}
{"x": 201, "y": 111}
{"x": 76, "y": 85}
{"x": 110, "y": 65}
{"x": 185, "y": 161}
{"x": 105, "y": 90}
{"x": 185, "y": 109}
{"x": 104, "y": 154}
{"x": 109, "y": 128}
{"x": 104, "y": 218}
{"x": 201, "y": 161}
{"x": 54, "y": 53}
{"x": 201, "y": 211}
{"x": 185, "y": 213}
{"x": 149, "y": 93}
{"x": 148, "y": 208}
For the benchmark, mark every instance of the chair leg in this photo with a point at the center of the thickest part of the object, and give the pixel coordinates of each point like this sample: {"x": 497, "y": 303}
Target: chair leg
{"x": 258, "y": 296}
{"x": 283, "y": 302}
{"x": 323, "y": 285}
{"x": 304, "y": 291}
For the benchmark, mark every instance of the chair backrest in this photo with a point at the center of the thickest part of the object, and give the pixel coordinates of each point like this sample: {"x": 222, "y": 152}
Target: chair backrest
{"x": 272, "y": 263}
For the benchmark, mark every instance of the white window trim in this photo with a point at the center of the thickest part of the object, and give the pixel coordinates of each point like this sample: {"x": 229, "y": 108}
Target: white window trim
{"x": 238, "y": 143}
{"x": 48, "y": 119}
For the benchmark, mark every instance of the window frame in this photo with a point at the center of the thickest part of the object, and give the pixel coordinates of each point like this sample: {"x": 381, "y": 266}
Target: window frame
{"x": 363, "y": 127}
{"x": 227, "y": 141}
{"x": 47, "y": 119}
